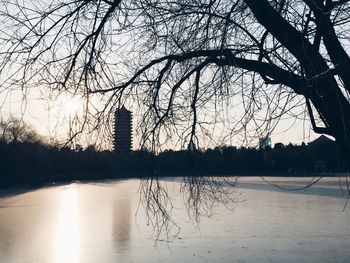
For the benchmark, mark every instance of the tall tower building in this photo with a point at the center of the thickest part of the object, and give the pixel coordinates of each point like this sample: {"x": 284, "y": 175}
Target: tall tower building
{"x": 123, "y": 131}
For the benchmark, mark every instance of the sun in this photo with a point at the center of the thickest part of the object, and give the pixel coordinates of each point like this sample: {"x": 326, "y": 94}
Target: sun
{"x": 70, "y": 105}
{"x": 65, "y": 113}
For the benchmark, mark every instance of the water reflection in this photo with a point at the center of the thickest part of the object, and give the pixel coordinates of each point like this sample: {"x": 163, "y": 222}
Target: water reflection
{"x": 68, "y": 232}
{"x": 121, "y": 222}
{"x": 90, "y": 223}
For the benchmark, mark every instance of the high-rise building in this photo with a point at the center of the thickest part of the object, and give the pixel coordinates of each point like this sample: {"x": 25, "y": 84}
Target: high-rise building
{"x": 123, "y": 131}
{"x": 265, "y": 143}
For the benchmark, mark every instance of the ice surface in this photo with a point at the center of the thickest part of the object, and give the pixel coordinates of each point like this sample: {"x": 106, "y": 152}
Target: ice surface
{"x": 103, "y": 222}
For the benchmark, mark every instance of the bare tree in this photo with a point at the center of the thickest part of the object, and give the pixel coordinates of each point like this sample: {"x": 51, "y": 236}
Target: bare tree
{"x": 180, "y": 60}
{"x": 186, "y": 64}
{"x": 14, "y": 130}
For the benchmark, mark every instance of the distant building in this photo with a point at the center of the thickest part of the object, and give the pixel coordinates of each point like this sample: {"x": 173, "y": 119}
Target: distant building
{"x": 265, "y": 143}
{"x": 279, "y": 145}
{"x": 325, "y": 151}
{"x": 123, "y": 131}
{"x": 321, "y": 141}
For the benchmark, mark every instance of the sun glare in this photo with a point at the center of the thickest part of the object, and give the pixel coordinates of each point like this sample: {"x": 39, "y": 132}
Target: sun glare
{"x": 67, "y": 236}
{"x": 70, "y": 105}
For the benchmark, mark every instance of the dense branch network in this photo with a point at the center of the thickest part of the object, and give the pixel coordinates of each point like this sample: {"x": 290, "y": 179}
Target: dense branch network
{"x": 171, "y": 56}
{"x": 185, "y": 65}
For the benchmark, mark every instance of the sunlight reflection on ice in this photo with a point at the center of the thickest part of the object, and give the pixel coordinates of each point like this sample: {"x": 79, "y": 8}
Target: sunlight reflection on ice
{"x": 103, "y": 221}
{"x": 67, "y": 235}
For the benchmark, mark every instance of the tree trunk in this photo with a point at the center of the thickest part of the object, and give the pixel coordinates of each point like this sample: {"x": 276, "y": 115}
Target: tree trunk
{"x": 324, "y": 92}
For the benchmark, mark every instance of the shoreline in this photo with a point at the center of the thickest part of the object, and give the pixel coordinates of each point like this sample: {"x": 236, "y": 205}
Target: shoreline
{"x": 83, "y": 178}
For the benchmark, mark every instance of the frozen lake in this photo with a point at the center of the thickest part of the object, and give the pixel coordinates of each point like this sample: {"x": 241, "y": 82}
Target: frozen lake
{"x": 104, "y": 222}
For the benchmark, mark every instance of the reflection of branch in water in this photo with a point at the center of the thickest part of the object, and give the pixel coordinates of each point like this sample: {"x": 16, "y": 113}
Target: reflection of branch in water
{"x": 346, "y": 192}
{"x": 315, "y": 180}
{"x": 200, "y": 195}
{"x": 158, "y": 208}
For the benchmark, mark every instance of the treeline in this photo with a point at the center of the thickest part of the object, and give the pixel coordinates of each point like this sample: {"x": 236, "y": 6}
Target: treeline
{"x": 26, "y": 158}
{"x": 30, "y": 162}
{"x": 293, "y": 160}
{"x": 33, "y": 162}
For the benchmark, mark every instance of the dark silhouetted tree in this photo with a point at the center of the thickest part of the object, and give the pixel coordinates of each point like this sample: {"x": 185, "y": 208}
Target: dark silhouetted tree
{"x": 180, "y": 60}
{"x": 186, "y": 63}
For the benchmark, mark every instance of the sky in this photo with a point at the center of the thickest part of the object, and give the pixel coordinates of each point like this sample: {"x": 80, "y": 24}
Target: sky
{"x": 52, "y": 117}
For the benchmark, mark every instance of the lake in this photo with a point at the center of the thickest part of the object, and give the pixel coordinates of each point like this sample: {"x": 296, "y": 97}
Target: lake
{"x": 106, "y": 222}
